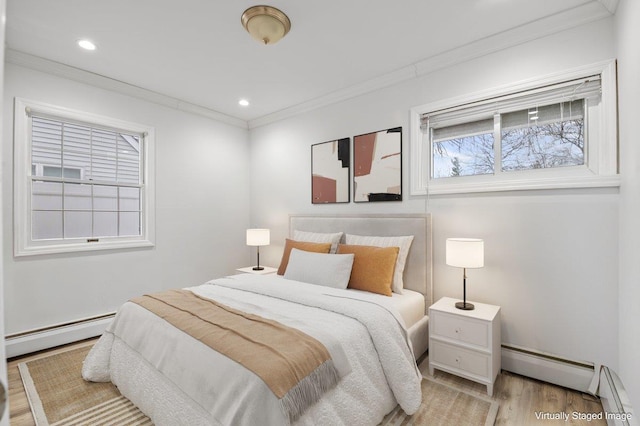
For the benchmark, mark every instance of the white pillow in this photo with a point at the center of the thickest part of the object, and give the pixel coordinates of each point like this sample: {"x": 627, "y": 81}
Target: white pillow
{"x": 403, "y": 243}
{"x": 318, "y": 237}
{"x": 330, "y": 270}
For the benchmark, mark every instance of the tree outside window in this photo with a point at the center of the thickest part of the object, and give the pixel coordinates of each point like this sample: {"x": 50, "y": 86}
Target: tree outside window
{"x": 534, "y": 138}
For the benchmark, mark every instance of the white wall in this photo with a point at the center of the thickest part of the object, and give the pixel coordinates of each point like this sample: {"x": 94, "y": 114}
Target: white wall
{"x": 199, "y": 232}
{"x": 4, "y": 413}
{"x": 551, "y": 256}
{"x": 628, "y": 34}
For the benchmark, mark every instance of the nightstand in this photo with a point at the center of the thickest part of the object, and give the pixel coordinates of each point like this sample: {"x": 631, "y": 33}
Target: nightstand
{"x": 465, "y": 343}
{"x": 265, "y": 271}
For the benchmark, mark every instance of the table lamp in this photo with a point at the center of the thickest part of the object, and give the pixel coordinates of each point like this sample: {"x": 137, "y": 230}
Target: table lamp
{"x": 465, "y": 253}
{"x": 258, "y": 237}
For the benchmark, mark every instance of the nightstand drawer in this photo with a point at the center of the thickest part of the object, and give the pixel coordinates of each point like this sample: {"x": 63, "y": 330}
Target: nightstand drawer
{"x": 461, "y": 329}
{"x": 460, "y": 359}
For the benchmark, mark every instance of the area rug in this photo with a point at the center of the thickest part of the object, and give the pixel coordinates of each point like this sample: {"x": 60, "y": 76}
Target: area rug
{"x": 445, "y": 405}
{"x": 59, "y": 396}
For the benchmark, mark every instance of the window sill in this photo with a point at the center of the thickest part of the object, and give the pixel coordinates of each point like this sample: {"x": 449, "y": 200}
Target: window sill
{"x": 520, "y": 185}
{"x": 80, "y": 247}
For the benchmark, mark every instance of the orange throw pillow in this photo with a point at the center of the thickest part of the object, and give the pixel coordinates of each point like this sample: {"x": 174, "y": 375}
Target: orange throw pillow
{"x": 300, "y": 245}
{"x": 372, "y": 267}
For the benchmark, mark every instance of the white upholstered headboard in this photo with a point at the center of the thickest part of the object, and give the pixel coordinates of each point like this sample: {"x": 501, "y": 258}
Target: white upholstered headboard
{"x": 418, "y": 269}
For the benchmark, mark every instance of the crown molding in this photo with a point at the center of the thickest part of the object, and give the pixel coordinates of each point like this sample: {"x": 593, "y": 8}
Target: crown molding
{"x": 575, "y": 17}
{"x": 65, "y": 71}
{"x": 534, "y": 30}
{"x": 611, "y": 5}
{"x": 371, "y": 85}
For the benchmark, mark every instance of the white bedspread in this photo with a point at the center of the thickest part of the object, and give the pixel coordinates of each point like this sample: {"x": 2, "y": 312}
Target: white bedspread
{"x": 367, "y": 341}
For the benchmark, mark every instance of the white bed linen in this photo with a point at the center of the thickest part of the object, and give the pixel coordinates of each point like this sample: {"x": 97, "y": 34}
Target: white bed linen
{"x": 378, "y": 375}
{"x": 411, "y": 306}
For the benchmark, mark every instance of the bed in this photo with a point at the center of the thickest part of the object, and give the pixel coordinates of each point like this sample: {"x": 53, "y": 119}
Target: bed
{"x": 418, "y": 272}
{"x": 371, "y": 342}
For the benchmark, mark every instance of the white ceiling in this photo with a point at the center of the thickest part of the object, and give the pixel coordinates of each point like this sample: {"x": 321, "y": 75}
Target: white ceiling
{"x": 197, "y": 50}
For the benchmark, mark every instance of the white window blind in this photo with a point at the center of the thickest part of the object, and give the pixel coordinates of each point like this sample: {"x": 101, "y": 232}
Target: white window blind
{"x": 557, "y": 131}
{"x": 87, "y": 183}
{"x": 537, "y": 129}
{"x": 583, "y": 88}
{"x": 463, "y": 130}
{"x": 90, "y": 185}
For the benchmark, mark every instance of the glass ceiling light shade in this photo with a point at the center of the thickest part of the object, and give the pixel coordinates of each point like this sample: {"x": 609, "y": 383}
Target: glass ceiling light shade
{"x": 266, "y": 24}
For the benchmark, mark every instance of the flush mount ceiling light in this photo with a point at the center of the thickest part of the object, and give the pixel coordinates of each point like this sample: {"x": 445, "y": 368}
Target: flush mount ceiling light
{"x": 243, "y": 102}
{"x": 266, "y": 24}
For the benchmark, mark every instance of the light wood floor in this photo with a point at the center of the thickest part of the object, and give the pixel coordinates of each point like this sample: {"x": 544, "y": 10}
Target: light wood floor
{"x": 519, "y": 397}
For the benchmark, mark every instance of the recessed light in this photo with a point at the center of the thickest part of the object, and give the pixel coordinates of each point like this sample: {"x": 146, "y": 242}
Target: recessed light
{"x": 243, "y": 102}
{"x": 86, "y": 44}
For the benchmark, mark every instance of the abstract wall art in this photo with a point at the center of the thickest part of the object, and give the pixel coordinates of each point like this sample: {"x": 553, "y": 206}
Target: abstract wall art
{"x": 377, "y": 166}
{"x": 330, "y": 169}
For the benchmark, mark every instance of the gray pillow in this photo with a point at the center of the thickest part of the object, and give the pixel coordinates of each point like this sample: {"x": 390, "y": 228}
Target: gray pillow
{"x": 329, "y": 270}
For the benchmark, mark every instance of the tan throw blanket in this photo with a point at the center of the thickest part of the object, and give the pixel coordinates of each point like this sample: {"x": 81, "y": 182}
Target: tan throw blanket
{"x": 296, "y": 367}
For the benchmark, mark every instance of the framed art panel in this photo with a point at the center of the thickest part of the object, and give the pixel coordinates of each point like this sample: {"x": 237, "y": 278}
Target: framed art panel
{"x": 330, "y": 168}
{"x": 377, "y": 166}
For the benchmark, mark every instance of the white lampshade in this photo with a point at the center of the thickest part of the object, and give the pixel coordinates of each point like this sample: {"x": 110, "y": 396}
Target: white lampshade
{"x": 465, "y": 252}
{"x": 258, "y": 237}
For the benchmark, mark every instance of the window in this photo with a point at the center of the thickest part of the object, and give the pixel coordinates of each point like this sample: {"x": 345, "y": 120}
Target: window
{"x": 82, "y": 182}
{"x": 557, "y": 132}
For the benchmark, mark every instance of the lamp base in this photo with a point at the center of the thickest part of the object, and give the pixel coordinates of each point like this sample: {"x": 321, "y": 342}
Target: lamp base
{"x": 465, "y": 306}
{"x": 258, "y": 268}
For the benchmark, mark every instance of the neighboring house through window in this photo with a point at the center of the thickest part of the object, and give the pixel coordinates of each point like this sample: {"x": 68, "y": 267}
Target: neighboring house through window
{"x": 82, "y": 182}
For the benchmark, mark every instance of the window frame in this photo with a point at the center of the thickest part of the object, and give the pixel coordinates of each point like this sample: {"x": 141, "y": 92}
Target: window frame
{"x": 601, "y": 150}
{"x": 24, "y": 245}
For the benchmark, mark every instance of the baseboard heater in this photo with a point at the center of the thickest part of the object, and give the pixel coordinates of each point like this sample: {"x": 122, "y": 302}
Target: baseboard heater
{"x": 55, "y": 335}
{"x": 548, "y": 368}
{"x": 581, "y": 376}
{"x": 615, "y": 401}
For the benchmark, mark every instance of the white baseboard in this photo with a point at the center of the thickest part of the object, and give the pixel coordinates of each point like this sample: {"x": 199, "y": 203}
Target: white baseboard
{"x": 570, "y": 374}
{"x": 50, "y": 337}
